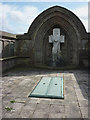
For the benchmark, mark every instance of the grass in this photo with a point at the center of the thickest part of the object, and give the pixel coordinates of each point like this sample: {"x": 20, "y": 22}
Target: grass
{"x": 9, "y": 108}
{"x": 12, "y": 101}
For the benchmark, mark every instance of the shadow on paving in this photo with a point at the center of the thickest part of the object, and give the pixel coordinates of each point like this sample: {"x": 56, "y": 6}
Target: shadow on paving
{"x": 26, "y": 70}
{"x": 82, "y": 81}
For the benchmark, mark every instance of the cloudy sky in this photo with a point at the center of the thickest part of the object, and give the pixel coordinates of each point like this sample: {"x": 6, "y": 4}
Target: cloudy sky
{"x": 16, "y": 17}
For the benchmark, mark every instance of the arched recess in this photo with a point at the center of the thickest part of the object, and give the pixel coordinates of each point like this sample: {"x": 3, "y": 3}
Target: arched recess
{"x": 47, "y": 47}
{"x": 70, "y": 26}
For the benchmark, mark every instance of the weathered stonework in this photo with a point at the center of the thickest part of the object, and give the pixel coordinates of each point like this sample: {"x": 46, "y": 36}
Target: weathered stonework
{"x": 7, "y": 44}
{"x": 39, "y": 49}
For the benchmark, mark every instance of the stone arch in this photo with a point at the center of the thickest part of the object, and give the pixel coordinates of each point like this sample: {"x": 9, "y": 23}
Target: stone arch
{"x": 69, "y": 24}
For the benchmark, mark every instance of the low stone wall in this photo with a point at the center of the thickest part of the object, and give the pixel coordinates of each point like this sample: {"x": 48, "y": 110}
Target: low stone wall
{"x": 10, "y": 62}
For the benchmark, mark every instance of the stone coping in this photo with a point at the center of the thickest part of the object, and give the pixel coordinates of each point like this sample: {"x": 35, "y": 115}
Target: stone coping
{"x": 13, "y": 57}
{"x": 7, "y": 58}
{"x": 2, "y": 33}
{"x": 68, "y": 67}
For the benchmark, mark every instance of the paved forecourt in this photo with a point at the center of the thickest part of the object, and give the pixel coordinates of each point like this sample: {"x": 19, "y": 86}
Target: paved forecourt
{"x": 17, "y": 86}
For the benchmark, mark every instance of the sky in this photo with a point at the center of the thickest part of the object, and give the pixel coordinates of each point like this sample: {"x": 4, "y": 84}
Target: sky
{"x": 16, "y": 17}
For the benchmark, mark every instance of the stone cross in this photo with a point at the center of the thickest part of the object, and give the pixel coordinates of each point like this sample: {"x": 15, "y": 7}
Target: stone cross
{"x": 56, "y": 39}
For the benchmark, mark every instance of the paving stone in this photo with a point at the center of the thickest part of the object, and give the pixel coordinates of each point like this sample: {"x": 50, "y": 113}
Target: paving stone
{"x": 30, "y": 106}
{"x": 25, "y": 81}
{"x": 20, "y": 100}
{"x": 8, "y": 98}
{"x": 69, "y": 99}
{"x": 42, "y": 107}
{"x": 26, "y": 113}
{"x": 12, "y": 114}
{"x": 84, "y": 110}
{"x": 56, "y": 115}
{"x": 84, "y": 115}
{"x": 83, "y": 103}
{"x": 73, "y": 115}
{"x": 68, "y": 103}
{"x": 57, "y": 109}
{"x": 45, "y": 101}
{"x": 17, "y": 106}
{"x": 40, "y": 115}
{"x": 32, "y": 100}
{"x": 57, "y": 101}
{"x": 5, "y": 104}
{"x": 1, "y": 112}
{"x": 72, "y": 112}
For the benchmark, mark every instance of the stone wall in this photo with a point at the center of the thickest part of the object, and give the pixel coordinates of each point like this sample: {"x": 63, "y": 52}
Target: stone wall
{"x": 9, "y": 57}
{"x": 8, "y": 63}
{"x": 7, "y": 51}
{"x": 7, "y": 44}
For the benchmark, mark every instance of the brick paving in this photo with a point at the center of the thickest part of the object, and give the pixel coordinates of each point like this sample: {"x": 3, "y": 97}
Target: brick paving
{"x": 16, "y": 86}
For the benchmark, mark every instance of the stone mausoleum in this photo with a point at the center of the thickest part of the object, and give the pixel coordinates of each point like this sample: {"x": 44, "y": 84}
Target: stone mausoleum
{"x": 35, "y": 47}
